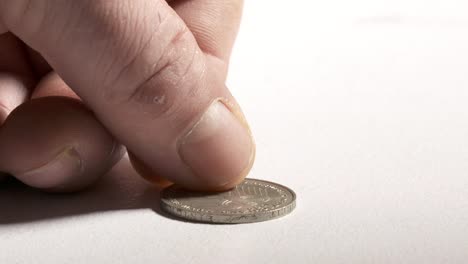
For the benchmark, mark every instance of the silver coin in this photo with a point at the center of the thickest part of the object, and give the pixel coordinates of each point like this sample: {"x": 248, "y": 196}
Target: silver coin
{"x": 250, "y": 201}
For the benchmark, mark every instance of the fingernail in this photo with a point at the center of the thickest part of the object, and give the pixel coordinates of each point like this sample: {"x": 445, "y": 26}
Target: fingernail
{"x": 219, "y": 148}
{"x": 58, "y": 171}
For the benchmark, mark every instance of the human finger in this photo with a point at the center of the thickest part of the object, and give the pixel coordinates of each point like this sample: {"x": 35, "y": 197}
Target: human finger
{"x": 214, "y": 23}
{"x": 140, "y": 70}
{"x": 56, "y": 144}
{"x": 15, "y": 77}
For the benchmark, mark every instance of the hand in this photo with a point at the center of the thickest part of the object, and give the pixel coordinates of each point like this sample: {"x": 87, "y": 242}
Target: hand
{"x": 148, "y": 74}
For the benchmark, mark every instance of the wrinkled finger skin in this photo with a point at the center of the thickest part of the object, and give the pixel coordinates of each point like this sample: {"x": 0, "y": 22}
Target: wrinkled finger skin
{"x": 155, "y": 79}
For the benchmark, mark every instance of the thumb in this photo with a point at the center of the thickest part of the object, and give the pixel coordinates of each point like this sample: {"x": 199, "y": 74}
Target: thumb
{"x": 139, "y": 68}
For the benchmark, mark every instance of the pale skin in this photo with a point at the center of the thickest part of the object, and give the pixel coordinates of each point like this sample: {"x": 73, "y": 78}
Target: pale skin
{"x": 81, "y": 79}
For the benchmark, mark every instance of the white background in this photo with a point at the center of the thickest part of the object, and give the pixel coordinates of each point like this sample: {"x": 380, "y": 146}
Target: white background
{"x": 359, "y": 106}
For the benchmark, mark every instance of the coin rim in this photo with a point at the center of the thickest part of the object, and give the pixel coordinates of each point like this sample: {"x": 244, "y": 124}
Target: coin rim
{"x": 178, "y": 211}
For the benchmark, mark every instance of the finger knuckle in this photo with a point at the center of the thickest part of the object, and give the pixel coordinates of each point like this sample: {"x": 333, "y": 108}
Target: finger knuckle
{"x": 175, "y": 77}
{"x": 165, "y": 78}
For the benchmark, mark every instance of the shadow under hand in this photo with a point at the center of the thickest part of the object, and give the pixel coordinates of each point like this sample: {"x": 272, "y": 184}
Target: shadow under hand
{"x": 122, "y": 188}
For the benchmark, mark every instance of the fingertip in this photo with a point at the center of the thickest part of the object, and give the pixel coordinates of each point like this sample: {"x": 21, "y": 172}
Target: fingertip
{"x": 148, "y": 174}
{"x": 217, "y": 153}
{"x": 55, "y": 144}
{"x": 54, "y": 175}
{"x": 219, "y": 149}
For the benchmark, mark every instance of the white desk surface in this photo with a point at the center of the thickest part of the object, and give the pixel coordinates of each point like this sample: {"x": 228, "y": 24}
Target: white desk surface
{"x": 360, "y": 106}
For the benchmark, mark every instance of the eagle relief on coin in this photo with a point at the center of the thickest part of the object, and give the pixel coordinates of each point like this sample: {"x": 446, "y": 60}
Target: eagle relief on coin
{"x": 250, "y": 201}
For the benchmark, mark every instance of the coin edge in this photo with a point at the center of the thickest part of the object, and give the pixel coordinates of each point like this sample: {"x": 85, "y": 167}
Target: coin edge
{"x": 176, "y": 210}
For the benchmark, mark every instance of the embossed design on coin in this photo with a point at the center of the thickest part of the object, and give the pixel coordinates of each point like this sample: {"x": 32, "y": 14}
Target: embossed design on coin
{"x": 251, "y": 201}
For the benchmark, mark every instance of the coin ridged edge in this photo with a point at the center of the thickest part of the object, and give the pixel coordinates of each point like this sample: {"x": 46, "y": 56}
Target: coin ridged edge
{"x": 231, "y": 218}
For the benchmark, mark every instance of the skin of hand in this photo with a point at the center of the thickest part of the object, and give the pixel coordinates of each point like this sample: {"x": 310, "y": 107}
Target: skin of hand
{"x": 81, "y": 79}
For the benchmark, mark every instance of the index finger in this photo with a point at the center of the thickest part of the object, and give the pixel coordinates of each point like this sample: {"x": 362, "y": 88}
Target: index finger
{"x": 139, "y": 68}
{"x": 214, "y": 23}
